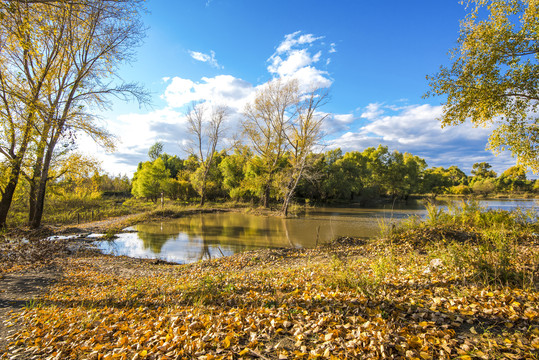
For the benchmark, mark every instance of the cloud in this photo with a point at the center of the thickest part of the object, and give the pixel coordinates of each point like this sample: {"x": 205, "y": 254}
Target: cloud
{"x": 372, "y": 111}
{"x": 295, "y": 58}
{"x": 415, "y": 129}
{"x": 336, "y": 123}
{"x": 210, "y": 59}
{"x": 299, "y": 56}
{"x": 221, "y": 89}
{"x": 135, "y": 134}
{"x": 294, "y": 39}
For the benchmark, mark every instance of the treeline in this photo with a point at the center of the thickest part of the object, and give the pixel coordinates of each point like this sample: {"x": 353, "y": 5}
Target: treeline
{"x": 372, "y": 174}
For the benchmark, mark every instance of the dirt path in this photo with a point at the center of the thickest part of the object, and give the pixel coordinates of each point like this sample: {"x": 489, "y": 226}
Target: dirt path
{"x": 18, "y": 290}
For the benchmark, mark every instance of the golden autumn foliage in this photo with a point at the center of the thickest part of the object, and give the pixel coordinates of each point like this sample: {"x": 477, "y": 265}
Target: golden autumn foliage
{"x": 350, "y": 299}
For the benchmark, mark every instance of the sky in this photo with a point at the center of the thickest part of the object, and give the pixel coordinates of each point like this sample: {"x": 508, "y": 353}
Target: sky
{"x": 373, "y": 56}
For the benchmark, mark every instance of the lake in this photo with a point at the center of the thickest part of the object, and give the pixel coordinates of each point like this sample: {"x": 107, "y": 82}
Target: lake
{"x": 204, "y": 236}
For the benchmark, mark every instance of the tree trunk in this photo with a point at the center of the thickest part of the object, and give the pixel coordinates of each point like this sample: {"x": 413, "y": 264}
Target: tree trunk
{"x": 35, "y": 181}
{"x": 285, "y": 205}
{"x": 265, "y": 196}
{"x": 40, "y": 204}
{"x": 37, "y": 215}
{"x": 203, "y": 197}
{"x": 9, "y": 191}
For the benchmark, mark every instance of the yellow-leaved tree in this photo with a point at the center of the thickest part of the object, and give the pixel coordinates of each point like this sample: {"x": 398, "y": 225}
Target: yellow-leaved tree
{"x": 493, "y": 79}
{"x": 58, "y": 61}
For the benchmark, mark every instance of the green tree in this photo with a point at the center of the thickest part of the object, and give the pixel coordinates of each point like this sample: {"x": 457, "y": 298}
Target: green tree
{"x": 483, "y": 170}
{"x": 513, "y": 179}
{"x": 232, "y": 168}
{"x": 149, "y": 180}
{"x": 457, "y": 176}
{"x": 156, "y": 150}
{"x": 436, "y": 181}
{"x": 494, "y": 76}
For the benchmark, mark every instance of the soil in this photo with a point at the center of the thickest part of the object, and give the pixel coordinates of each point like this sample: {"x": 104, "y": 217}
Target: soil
{"x": 19, "y": 290}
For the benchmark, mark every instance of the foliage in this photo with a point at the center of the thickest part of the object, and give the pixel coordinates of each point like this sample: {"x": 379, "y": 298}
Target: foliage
{"x": 155, "y": 151}
{"x": 484, "y": 186}
{"x": 493, "y": 78}
{"x": 438, "y": 291}
{"x": 74, "y": 49}
{"x": 149, "y": 179}
{"x": 483, "y": 170}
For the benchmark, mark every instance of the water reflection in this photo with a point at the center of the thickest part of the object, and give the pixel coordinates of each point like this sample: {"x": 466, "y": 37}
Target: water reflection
{"x": 205, "y": 236}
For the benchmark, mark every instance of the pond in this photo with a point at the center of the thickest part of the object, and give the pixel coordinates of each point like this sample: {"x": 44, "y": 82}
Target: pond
{"x": 210, "y": 235}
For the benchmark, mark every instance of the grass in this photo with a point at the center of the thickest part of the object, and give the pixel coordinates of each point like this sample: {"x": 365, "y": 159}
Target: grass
{"x": 460, "y": 284}
{"x": 495, "y": 246}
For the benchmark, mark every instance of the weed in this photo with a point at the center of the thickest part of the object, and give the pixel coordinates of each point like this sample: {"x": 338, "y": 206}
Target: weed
{"x": 344, "y": 277}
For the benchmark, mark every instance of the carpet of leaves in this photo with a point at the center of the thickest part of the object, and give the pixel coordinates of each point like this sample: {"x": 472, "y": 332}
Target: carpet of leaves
{"x": 349, "y": 300}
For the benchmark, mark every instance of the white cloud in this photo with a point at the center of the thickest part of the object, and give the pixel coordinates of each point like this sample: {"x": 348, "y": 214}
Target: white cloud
{"x": 210, "y": 59}
{"x": 372, "y": 111}
{"x": 292, "y": 40}
{"x": 294, "y": 58}
{"x": 336, "y": 123}
{"x": 222, "y": 89}
{"x": 415, "y": 129}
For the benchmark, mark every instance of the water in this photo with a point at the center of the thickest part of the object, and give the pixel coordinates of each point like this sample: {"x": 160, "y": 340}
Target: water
{"x": 210, "y": 235}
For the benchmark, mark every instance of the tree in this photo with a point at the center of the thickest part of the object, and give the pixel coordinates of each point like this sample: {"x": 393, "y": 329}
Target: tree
{"x": 232, "y": 169}
{"x": 483, "y": 170}
{"x": 149, "y": 180}
{"x": 494, "y": 76}
{"x": 283, "y": 120}
{"x": 206, "y": 133}
{"x": 513, "y": 179}
{"x": 302, "y": 134}
{"x": 58, "y": 61}
{"x": 436, "y": 181}
{"x": 515, "y": 173}
{"x": 155, "y": 150}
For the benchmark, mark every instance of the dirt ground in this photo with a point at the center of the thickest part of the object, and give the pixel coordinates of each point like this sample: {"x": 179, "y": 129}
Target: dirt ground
{"x": 18, "y": 290}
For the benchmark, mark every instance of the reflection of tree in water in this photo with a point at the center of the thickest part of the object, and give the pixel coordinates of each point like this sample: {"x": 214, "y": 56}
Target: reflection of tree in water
{"x": 231, "y": 232}
{"x": 155, "y": 240}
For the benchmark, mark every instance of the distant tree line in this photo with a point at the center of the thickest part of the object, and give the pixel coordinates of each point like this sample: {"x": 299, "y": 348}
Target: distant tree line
{"x": 372, "y": 174}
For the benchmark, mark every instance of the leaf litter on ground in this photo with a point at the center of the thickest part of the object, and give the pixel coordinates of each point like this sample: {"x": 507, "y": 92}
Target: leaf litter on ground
{"x": 351, "y": 299}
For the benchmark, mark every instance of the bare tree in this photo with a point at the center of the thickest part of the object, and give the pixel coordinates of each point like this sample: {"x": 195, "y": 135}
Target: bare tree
{"x": 206, "y": 132}
{"x": 265, "y": 123}
{"x": 302, "y": 135}
{"x": 283, "y": 121}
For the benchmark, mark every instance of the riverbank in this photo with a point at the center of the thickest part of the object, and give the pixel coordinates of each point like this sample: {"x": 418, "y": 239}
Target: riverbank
{"x": 115, "y": 224}
{"x": 430, "y": 290}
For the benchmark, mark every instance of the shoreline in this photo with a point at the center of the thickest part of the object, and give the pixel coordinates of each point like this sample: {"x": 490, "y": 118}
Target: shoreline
{"x": 114, "y": 225}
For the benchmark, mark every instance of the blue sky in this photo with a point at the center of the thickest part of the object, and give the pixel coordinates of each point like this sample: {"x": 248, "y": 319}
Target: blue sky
{"x": 373, "y": 55}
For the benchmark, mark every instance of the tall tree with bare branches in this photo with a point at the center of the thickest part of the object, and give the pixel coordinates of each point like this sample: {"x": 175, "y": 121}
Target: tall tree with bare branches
{"x": 283, "y": 121}
{"x": 206, "y": 131}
